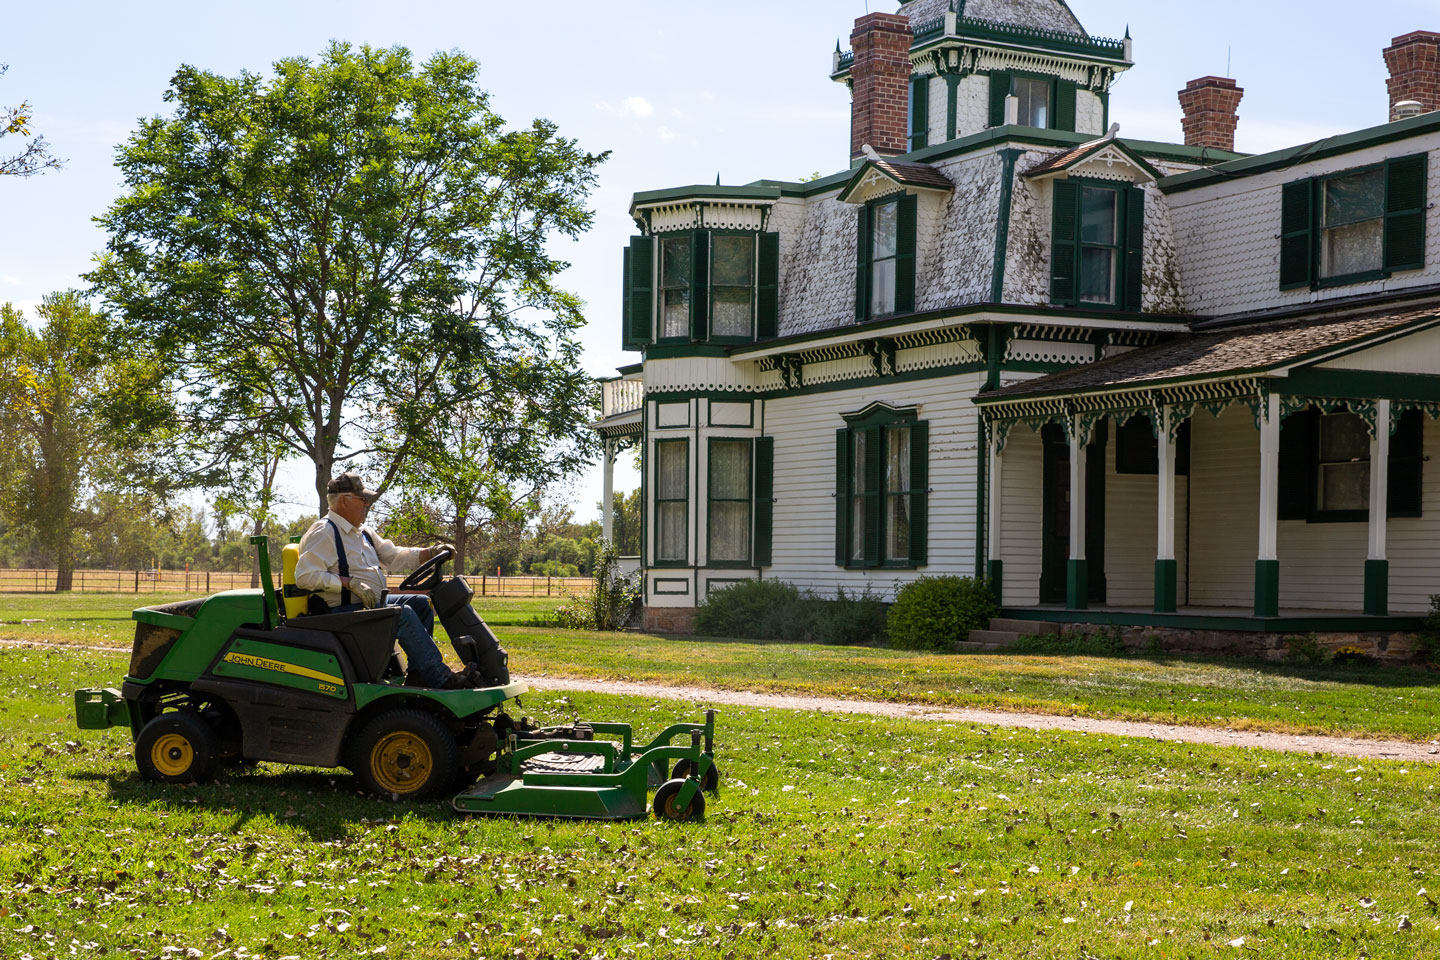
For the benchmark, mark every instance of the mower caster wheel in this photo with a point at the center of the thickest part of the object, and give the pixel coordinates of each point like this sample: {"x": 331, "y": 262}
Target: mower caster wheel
{"x": 176, "y": 748}
{"x": 683, "y": 769}
{"x": 405, "y": 754}
{"x": 667, "y": 806}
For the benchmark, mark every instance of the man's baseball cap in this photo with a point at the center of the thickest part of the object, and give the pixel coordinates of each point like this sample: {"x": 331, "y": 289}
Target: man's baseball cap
{"x": 350, "y": 483}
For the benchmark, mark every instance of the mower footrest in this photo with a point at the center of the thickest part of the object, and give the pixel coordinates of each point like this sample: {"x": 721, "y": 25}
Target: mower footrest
{"x": 564, "y": 763}
{"x": 97, "y": 709}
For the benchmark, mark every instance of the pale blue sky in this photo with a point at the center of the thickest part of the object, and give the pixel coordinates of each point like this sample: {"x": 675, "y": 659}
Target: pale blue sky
{"x": 678, "y": 92}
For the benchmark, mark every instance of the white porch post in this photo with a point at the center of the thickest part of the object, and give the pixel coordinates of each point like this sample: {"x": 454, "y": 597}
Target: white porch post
{"x": 1077, "y": 573}
{"x": 1267, "y": 562}
{"x": 607, "y": 506}
{"x": 996, "y": 567}
{"x": 1165, "y": 566}
{"x": 1377, "y": 566}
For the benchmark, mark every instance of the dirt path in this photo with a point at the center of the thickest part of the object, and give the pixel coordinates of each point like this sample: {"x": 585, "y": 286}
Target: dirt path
{"x": 1400, "y": 750}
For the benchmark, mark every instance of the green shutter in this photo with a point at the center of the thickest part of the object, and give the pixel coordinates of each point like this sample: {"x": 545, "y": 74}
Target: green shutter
{"x": 842, "y": 497}
{"x": 642, "y": 303}
{"x": 767, "y": 294}
{"x": 627, "y": 336}
{"x": 699, "y": 285}
{"x": 1064, "y": 248}
{"x": 999, "y": 90}
{"x": 919, "y": 112}
{"x": 1296, "y": 464}
{"x": 919, "y": 493}
{"x": 1404, "y": 496}
{"x": 1134, "y": 249}
{"x": 905, "y": 255}
{"x": 1296, "y": 228}
{"x": 1065, "y": 94}
{"x": 862, "y": 264}
{"x": 764, "y": 499}
{"x": 874, "y": 489}
{"x": 1405, "y": 212}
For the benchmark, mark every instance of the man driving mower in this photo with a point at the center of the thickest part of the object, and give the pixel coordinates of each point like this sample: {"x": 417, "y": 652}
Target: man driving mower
{"x": 343, "y": 566}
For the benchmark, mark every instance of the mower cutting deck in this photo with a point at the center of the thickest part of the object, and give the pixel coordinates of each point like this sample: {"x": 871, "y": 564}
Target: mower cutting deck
{"x": 237, "y": 677}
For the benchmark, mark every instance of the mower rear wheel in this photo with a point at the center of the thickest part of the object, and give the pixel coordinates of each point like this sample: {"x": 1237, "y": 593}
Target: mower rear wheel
{"x": 667, "y": 805}
{"x": 684, "y": 768}
{"x": 176, "y": 747}
{"x": 405, "y": 754}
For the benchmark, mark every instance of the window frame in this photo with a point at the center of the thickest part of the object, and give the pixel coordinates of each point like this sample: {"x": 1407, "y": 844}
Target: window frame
{"x": 1128, "y": 251}
{"x": 872, "y": 209}
{"x": 1116, "y": 246}
{"x": 1051, "y": 96}
{"x": 1317, "y": 243}
{"x": 661, "y": 289}
{"x": 683, "y": 499}
{"x": 754, "y": 236}
{"x": 871, "y": 426}
{"x": 748, "y": 500}
{"x": 1309, "y": 482}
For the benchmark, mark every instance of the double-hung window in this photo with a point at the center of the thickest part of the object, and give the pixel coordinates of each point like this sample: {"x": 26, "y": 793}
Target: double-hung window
{"x": 1045, "y": 102}
{"x": 729, "y": 508}
{"x": 672, "y": 502}
{"x": 881, "y": 495}
{"x": 1097, "y": 244}
{"x": 701, "y": 285}
{"x": 1354, "y": 226}
{"x": 885, "y": 265}
{"x": 732, "y": 279}
{"x": 1034, "y": 96}
{"x": 1325, "y": 467}
{"x": 675, "y": 266}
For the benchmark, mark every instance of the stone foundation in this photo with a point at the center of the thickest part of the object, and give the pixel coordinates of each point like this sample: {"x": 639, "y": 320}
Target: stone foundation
{"x": 668, "y": 620}
{"x": 1385, "y": 646}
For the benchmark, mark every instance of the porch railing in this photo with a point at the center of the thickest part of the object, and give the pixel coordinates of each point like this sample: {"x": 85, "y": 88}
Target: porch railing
{"x": 621, "y": 396}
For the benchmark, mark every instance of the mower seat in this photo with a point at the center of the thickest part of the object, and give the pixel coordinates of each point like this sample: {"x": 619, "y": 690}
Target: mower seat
{"x": 368, "y": 636}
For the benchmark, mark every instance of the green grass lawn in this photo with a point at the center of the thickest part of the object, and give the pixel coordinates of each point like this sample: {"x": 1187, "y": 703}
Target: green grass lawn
{"x": 833, "y": 836}
{"x": 1393, "y": 702}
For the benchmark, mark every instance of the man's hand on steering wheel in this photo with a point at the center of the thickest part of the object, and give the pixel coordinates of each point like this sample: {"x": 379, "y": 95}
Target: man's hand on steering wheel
{"x": 430, "y": 553}
{"x": 427, "y": 576}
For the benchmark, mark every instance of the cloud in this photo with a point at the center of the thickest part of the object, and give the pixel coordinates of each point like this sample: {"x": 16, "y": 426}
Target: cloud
{"x": 630, "y": 106}
{"x": 666, "y": 134}
{"x": 9, "y": 279}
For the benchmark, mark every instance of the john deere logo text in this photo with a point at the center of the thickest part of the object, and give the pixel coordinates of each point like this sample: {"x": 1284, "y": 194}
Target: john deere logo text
{"x": 279, "y": 666}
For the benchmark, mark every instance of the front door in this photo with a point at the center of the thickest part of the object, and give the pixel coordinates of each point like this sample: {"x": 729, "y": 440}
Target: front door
{"x": 1055, "y": 504}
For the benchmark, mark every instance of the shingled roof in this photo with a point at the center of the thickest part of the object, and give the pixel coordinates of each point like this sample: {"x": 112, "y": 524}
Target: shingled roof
{"x": 921, "y": 176}
{"x": 1219, "y": 354}
{"x": 1041, "y": 14}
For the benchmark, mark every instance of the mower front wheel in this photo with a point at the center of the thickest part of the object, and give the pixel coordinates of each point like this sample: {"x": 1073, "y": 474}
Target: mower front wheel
{"x": 686, "y": 768}
{"x": 405, "y": 754}
{"x": 667, "y": 805}
{"x": 176, "y": 748}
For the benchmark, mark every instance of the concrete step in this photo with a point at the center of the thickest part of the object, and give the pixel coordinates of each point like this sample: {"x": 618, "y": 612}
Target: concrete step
{"x": 1000, "y": 638}
{"x": 1025, "y": 628}
{"x": 966, "y": 646}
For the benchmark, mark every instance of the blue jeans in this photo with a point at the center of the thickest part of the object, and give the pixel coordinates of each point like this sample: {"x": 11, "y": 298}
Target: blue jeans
{"x": 416, "y": 634}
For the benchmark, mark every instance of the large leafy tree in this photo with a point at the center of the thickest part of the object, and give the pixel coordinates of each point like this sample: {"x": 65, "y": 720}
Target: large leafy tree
{"x": 350, "y": 249}
{"x": 83, "y": 426}
{"x": 34, "y": 154}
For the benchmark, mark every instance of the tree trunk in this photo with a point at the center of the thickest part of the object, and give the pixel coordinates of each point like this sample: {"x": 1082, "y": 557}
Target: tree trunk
{"x": 461, "y": 536}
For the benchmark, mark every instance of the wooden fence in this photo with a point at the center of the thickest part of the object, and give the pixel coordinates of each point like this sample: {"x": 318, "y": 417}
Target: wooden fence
{"x": 201, "y": 583}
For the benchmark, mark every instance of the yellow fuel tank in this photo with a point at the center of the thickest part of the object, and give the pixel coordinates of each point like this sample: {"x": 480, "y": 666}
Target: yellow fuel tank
{"x": 294, "y": 606}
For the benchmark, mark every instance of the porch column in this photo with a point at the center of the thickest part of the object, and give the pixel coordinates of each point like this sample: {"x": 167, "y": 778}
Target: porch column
{"x": 1165, "y": 566}
{"x": 1267, "y": 563}
{"x": 996, "y": 567}
{"x": 1377, "y": 567}
{"x": 607, "y": 506}
{"x": 1077, "y": 572}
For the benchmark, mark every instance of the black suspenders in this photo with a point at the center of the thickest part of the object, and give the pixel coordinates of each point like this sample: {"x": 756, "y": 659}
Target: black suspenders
{"x": 342, "y": 562}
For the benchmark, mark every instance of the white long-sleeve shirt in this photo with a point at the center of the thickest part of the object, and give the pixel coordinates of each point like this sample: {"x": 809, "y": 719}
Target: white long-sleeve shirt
{"x": 319, "y": 569}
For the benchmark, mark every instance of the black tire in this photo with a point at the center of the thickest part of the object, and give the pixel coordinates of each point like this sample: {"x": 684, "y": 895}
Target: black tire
{"x": 176, "y": 747}
{"x": 710, "y": 784}
{"x": 666, "y": 807}
{"x": 405, "y": 754}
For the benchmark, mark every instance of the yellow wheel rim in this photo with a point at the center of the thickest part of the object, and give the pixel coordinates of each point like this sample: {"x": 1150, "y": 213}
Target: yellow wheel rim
{"x": 673, "y": 809}
{"x": 172, "y": 755}
{"x": 401, "y": 762}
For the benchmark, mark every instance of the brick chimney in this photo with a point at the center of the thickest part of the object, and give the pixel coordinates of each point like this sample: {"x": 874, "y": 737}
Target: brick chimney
{"x": 1210, "y": 104}
{"x": 880, "y": 84}
{"x": 1414, "y": 62}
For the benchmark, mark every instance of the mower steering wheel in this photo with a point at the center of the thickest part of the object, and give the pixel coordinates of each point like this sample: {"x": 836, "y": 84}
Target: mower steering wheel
{"x": 426, "y": 576}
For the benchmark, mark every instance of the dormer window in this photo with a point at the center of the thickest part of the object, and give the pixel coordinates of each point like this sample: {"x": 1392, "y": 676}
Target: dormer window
{"x": 1352, "y": 234}
{"x": 1034, "y": 96}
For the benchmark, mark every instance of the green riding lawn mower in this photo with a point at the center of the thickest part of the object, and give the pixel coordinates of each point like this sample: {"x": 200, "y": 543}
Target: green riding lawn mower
{"x": 240, "y": 677}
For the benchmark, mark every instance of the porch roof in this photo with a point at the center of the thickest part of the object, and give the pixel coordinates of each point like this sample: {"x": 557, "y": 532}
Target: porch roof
{"x": 1258, "y": 349}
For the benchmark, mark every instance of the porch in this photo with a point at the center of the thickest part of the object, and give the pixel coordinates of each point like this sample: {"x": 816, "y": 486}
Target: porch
{"x": 1157, "y": 488}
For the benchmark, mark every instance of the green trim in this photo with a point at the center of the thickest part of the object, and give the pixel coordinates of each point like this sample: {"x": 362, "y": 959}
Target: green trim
{"x": 1267, "y": 588}
{"x": 685, "y": 499}
{"x": 996, "y": 576}
{"x": 1291, "y": 156}
{"x": 710, "y": 417}
{"x": 1077, "y": 583}
{"x": 1002, "y": 229}
{"x": 1166, "y": 577}
{"x": 748, "y": 500}
{"x": 678, "y": 349}
{"x": 1361, "y": 385}
{"x": 1377, "y": 588}
{"x": 952, "y": 94}
{"x": 628, "y": 369}
{"x": 1187, "y": 621}
{"x": 683, "y": 581}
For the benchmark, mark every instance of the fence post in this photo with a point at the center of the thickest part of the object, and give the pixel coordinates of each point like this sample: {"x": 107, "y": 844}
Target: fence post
{"x": 482, "y": 584}
{"x": 547, "y": 584}
{"x": 207, "y": 581}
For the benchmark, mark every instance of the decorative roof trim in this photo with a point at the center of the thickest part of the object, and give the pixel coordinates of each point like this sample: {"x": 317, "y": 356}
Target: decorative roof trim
{"x": 1108, "y": 150}
{"x": 878, "y": 177}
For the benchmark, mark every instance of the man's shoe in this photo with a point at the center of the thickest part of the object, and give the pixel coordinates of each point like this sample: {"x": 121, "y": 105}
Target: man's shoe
{"x": 455, "y": 680}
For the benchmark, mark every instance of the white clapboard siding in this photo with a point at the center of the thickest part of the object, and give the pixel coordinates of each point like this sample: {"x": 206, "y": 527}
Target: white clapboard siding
{"x": 1225, "y": 508}
{"x": 804, "y": 428}
{"x": 1021, "y": 513}
{"x": 1414, "y": 542}
{"x": 1131, "y": 516}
